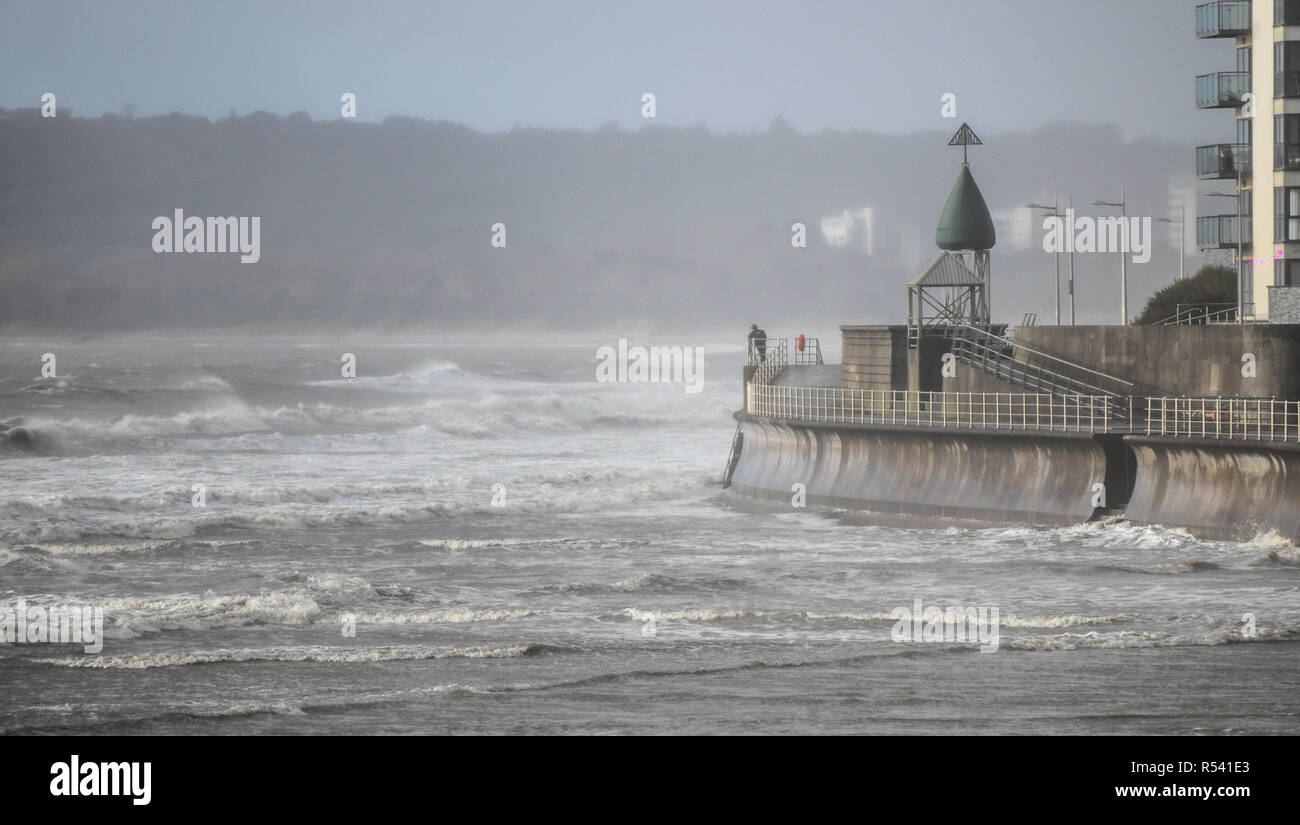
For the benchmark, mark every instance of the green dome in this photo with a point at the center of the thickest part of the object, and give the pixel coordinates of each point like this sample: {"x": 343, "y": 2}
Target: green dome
{"x": 965, "y": 222}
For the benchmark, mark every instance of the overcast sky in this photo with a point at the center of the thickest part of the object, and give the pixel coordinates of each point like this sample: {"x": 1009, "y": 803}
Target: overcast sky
{"x": 1013, "y": 64}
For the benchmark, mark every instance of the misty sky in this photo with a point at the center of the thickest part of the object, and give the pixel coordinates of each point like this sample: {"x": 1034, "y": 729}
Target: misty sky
{"x": 882, "y": 66}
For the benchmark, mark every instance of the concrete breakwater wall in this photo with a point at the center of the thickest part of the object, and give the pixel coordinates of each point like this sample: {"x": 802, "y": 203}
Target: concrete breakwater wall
{"x": 1215, "y": 489}
{"x": 1039, "y": 478}
{"x": 1221, "y": 490}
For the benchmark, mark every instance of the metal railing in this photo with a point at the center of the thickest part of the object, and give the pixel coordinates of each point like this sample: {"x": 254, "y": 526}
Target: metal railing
{"x": 1221, "y": 231}
{"x": 1221, "y": 89}
{"x": 1248, "y": 419}
{"x": 770, "y": 361}
{"x": 1206, "y": 313}
{"x": 810, "y": 355}
{"x": 1227, "y": 18}
{"x": 1222, "y": 160}
{"x": 1034, "y": 370}
{"x": 1257, "y": 419}
{"x": 775, "y": 356}
{"x": 979, "y": 410}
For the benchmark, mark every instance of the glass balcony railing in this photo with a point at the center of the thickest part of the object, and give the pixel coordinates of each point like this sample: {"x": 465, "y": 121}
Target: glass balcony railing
{"x": 1224, "y": 19}
{"x": 1221, "y": 89}
{"x": 1221, "y": 231}
{"x": 1222, "y": 161}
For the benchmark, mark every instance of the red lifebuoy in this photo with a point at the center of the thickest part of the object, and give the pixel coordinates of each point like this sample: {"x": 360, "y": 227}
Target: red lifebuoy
{"x": 798, "y": 342}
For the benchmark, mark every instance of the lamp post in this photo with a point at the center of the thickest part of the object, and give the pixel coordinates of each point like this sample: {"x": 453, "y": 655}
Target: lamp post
{"x": 1054, "y": 211}
{"x": 1069, "y": 209}
{"x": 1182, "y": 237}
{"x": 1241, "y": 309}
{"x": 1123, "y": 252}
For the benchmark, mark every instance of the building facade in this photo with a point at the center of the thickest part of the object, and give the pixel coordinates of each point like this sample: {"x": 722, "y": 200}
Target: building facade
{"x": 1263, "y": 158}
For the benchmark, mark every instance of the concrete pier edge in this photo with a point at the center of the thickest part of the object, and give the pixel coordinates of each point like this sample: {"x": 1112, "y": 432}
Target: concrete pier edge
{"x": 1230, "y": 490}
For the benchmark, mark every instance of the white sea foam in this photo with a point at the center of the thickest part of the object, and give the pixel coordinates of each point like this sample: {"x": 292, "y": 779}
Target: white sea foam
{"x": 699, "y": 615}
{"x": 456, "y": 616}
{"x": 130, "y": 617}
{"x": 206, "y": 382}
{"x": 318, "y": 654}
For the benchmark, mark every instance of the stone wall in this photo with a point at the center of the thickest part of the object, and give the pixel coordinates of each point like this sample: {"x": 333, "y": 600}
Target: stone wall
{"x": 1284, "y": 304}
{"x": 1182, "y": 360}
{"x": 874, "y": 357}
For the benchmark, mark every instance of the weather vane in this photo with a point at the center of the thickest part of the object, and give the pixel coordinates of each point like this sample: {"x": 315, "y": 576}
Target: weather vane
{"x": 965, "y": 137}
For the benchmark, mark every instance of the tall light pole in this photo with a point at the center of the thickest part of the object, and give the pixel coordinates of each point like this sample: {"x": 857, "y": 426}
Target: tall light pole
{"x": 1241, "y": 308}
{"x": 1054, "y": 211}
{"x": 1069, "y": 210}
{"x": 1123, "y": 252}
{"x": 1182, "y": 237}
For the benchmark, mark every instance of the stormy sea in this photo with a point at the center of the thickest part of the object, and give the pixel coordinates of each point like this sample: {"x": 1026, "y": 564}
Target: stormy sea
{"x": 476, "y": 536}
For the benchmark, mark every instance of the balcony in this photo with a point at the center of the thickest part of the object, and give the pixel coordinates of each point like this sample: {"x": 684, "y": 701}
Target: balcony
{"x": 1223, "y": 19}
{"x": 1220, "y": 231}
{"x": 1221, "y": 90}
{"x": 1222, "y": 161}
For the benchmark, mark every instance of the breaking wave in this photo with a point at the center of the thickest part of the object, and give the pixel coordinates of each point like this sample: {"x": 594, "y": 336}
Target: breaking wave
{"x": 318, "y": 654}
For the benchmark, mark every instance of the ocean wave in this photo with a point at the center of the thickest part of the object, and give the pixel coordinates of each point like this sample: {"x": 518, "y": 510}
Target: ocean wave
{"x": 1059, "y": 621}
{"x": 483, "y": 414}
{"x": 70, "y": 530}
{"x": 103, "y": 548}
{"x": 17, "y": 563}
{"x": 490, "y": 544}
{"x": 1126, "y": 639}
{"x": 490, "y": 413}
{"x": 1164, "y": 568}
{"x": 693, "y": 615}
{"x": 711, "y": 615}
{"x": 130, "y": 617}
{"x": 206, "y": 382}
{"x": 317, "y": 654}
{"x": 641, "y": 581}
{"x": 25, "y": 439}
{"x": 233, "y": 416}
{"x": 457, "y": 616}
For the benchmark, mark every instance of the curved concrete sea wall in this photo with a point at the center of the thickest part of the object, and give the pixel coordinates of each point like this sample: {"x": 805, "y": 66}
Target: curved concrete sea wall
{"x": 1035, "y": 478}
{"x": 1225, "y": 490}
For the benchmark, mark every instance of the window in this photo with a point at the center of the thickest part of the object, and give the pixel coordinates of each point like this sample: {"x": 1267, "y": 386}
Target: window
{"x": 1286, "y": 214}
{"x": 1286, "y": 142}
{"x": 1286, "y": 12}
{"x": 1286, "y": 69}
{"x": 1243, "y": 59}
{"x": 1288, "y": 273}
{"x": 1243, "y": 130}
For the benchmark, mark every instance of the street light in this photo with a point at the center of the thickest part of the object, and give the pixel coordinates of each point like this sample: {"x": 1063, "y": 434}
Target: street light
{"x": 1182, "y": 236}
{"x": 1240, "y": 303}
{"x": 1123, "y": 252}
{"x": 1069, "y": 210}
{"x": 1054, "y": 211}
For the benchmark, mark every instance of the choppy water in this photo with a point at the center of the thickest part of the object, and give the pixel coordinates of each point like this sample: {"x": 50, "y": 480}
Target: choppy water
{"x": 612, "y": 592}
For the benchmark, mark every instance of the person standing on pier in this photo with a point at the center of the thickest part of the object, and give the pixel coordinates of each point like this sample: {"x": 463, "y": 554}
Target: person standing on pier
{"x": 758, "y": 342}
